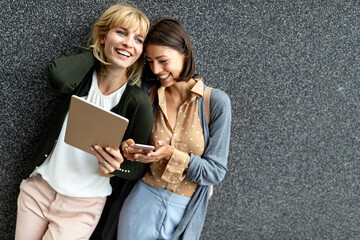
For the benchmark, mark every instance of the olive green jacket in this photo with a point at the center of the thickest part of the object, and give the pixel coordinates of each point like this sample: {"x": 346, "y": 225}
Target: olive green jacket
{"x": 134, "y": 105}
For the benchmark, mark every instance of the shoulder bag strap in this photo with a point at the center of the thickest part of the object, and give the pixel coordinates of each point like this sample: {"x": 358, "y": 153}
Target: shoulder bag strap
{"x": 207, "y": 92}
{"x": 206, "y": 99}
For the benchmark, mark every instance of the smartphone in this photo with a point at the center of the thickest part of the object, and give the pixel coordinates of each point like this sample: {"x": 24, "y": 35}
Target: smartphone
{"x": 144, "y": 147}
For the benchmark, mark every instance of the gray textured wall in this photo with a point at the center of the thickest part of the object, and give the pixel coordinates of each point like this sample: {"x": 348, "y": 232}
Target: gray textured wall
{"x": 291, "y": 69}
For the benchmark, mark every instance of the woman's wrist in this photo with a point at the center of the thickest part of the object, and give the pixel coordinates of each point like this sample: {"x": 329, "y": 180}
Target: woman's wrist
{"x": 170, "y": 150}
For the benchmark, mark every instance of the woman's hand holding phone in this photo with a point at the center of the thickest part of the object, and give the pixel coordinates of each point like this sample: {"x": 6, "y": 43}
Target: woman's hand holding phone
{"x": 130, "y": 148}
{"x": 145, "y": 153}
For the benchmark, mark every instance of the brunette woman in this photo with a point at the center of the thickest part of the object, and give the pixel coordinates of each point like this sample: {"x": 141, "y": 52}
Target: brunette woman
{"x": 170, "y": 201}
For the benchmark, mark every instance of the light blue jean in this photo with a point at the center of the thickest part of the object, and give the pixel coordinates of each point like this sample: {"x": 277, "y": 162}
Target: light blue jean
{"x": 150, "y": 213}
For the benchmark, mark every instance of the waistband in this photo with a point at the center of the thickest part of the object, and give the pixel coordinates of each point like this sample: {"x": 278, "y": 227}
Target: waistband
{"x": 165, "y": 194}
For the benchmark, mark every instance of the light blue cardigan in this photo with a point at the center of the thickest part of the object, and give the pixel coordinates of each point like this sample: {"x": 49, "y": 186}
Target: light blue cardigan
{"x": 210, "y": 168}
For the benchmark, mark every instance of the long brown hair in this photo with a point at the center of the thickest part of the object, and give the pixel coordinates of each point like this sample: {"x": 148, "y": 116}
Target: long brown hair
{"x": 172, "y": 33}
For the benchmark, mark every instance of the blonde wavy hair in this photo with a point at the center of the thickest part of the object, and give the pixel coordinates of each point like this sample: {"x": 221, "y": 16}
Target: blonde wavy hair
{"x": 127, "y": 16}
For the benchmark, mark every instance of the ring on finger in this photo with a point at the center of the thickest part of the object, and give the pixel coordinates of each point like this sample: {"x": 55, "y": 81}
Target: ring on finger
{"x": 126, "y": 150}
{"x": 104, "y": 163}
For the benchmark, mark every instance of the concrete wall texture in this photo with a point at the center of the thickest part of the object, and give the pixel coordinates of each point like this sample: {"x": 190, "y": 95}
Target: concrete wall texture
{"x": 291, "y": 69}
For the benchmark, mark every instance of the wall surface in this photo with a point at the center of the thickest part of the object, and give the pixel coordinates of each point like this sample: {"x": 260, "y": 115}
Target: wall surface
{"x": 291, "y": 69}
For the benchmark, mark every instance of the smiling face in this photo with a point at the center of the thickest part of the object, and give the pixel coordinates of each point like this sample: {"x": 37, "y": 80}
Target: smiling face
{"x": 166, "y": 63}
{"x": 122, "y": 46}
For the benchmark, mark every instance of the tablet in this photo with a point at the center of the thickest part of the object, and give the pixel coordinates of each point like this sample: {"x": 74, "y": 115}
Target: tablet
{"x": 90, "y": 125}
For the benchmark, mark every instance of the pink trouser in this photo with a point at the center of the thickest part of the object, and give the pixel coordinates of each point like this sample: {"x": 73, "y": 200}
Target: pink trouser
{"x": 45, "y": 214}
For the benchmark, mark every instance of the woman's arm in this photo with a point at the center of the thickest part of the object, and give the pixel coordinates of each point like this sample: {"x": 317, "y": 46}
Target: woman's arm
{"x": 65, "y": 73}
{"x": 210, "y": 169}
{"x": 139, "y": 131}
{"x": 111, "y": 161}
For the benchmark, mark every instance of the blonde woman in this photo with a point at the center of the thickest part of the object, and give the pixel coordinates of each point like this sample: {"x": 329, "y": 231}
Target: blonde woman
{"x": 65, "y": 190}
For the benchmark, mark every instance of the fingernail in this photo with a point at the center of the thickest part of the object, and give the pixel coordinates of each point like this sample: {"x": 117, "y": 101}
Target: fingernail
{"x": 136, "y": 156}
{"x": 92, "y": 149}
{"x": 107, "y": 149}
{"x": 149, "y": 154}
{"x": 96, "y": 147}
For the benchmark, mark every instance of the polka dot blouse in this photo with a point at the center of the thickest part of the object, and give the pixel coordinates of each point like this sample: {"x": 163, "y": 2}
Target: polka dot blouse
{"x": 186, "y": 137}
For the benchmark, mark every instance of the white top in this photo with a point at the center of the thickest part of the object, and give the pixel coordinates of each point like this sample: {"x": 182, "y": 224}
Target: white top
{"x": 73, "y": 172}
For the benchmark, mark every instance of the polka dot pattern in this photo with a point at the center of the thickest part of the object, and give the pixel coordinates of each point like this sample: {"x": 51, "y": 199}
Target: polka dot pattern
{"x": 186, "y": 137}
